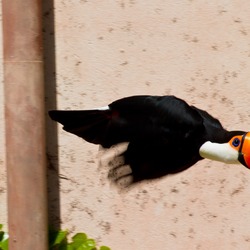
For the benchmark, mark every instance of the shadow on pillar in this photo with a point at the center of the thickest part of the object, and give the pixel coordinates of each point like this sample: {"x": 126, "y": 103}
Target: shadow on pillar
{"x": 50, "y": 103}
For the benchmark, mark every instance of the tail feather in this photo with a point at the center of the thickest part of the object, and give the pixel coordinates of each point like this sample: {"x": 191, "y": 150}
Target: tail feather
{"x": 91, "y": 125}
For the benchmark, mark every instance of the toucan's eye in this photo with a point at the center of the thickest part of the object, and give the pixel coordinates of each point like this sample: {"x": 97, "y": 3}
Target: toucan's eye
{"x": 236, "y": 142}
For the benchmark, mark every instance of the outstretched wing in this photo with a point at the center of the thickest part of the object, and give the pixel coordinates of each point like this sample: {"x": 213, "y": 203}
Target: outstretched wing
{"x": 163, "y": 132}
{"x": 132, "y": 118}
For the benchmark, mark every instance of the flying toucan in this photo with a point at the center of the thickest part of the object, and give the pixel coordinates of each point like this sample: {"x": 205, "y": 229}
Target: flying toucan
{"x": 165, "y": 135}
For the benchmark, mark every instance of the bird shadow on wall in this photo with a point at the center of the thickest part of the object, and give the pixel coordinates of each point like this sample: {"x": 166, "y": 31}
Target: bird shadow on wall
{"x": 50, "y": 103}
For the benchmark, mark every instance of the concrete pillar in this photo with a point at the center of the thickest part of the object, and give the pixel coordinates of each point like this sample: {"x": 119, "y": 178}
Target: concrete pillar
{"x": 24, "y": 114}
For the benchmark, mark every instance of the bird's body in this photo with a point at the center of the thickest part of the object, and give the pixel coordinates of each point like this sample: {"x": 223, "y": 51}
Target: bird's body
{"x": 164, "y": 133}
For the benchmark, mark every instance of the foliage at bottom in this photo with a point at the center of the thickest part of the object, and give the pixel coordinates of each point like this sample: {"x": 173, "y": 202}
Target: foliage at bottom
{"x": 58, "y": 240}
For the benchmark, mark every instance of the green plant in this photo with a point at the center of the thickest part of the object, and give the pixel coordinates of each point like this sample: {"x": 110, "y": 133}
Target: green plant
{"x": 58, "y": 240}
{"x": 3, "y": 239}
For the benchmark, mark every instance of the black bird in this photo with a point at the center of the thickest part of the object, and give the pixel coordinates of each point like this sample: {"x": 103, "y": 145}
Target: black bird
{"x": 164, "y": 133}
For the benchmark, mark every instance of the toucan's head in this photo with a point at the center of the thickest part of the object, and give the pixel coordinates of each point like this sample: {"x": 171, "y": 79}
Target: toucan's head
{"x": 237, "y": 150}
{"x": 241, "y": 143}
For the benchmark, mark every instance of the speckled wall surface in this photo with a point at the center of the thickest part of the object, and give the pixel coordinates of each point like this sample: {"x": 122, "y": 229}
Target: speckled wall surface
{"x": 196, "y": 50}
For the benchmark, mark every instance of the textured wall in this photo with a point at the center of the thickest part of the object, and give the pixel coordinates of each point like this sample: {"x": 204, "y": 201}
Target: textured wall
{"x": 196, "y": 50}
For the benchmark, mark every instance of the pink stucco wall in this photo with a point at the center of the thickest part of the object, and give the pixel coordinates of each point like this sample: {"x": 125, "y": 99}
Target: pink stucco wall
{"x": 196, "y": 50}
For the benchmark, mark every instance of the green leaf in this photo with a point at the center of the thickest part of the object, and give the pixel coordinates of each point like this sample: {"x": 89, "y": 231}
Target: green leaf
{"x": 90, "y": 243}
{"x": 104, "y": 248}
{"x": 5, "y": 237}
{"x": 80, "y": 238}
{"x": 57, "y": 238}
{"x": 4, "y": 241}
{"x": 4, "y": 244}
{"x": 70, "y": 247}
{"x": 81, "y": 242}
{"x": 74, "y": 246}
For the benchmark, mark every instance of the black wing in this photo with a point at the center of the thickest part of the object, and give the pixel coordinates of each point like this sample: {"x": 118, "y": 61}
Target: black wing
{"x": 164, "y": 132}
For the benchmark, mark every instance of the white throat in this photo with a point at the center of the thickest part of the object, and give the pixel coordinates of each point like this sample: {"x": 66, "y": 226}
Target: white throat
{"x": 219, "y": 152}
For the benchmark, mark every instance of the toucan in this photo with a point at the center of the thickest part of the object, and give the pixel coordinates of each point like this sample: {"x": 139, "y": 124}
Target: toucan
{"x": 165, "y": 135}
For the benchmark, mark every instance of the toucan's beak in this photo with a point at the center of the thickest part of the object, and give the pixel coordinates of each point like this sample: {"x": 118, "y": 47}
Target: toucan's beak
{"x": 244, "y": 151}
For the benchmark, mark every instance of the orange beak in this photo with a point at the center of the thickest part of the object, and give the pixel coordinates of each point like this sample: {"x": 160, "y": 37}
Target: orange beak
{"x": 244, "y": 150}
